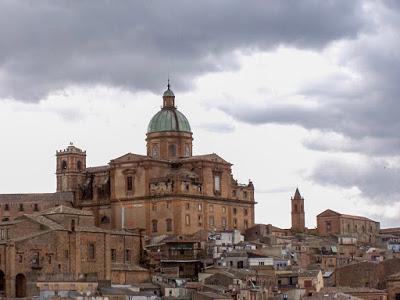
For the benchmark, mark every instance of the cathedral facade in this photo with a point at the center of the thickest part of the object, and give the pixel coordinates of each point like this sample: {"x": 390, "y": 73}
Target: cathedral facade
{"x": 167, "y": 191}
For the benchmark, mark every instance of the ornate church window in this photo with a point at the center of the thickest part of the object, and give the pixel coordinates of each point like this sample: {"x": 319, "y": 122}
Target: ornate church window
{"x": 187, "y": 150}
{"x": 172, "y": 150}
{"x": 129, "y": 183}
{"x": 154, "y": 151}
{"x": 217, "y": 183}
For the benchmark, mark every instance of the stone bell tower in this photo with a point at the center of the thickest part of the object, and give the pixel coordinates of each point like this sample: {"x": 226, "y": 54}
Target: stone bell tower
{"x": 298, "y": 221}
{"x": 71, "y": 168}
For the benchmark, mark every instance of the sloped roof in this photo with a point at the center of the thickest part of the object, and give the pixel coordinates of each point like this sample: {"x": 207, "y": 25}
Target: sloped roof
{"x": 97, "y": 169}
{"x": 62, "y": 209}
{"x": 44, "y": 221}
{"x": 129, "y": 157}
{"x": 207, "y": 157}
{"x": 38, "y": 197}
{"x": 332, "y": 212}
{"x": 297, "y": 194}
{"x": 309, "y": 273}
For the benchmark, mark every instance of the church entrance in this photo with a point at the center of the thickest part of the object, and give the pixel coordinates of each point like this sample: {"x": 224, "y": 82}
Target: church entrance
{"x": 20, "y": 286}
{"x": 2, "y": 284}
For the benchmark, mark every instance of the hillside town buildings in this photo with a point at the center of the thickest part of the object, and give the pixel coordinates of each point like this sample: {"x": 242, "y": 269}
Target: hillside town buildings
{"x": 170, "y": 224}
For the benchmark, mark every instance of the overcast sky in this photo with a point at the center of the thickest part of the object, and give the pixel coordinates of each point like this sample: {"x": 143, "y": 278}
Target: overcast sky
{"x": 293, "y": 93}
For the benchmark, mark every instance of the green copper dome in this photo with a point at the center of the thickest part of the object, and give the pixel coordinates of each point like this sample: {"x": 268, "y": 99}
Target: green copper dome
{"x": 169, "y": 119}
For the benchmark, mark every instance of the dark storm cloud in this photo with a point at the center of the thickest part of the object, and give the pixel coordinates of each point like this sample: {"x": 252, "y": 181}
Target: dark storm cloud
{"x": 48, "y": 45}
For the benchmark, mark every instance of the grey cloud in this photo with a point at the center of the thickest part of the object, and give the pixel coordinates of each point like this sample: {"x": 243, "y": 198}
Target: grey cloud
{"x": 376, "y": 180}
{"x": 49, "y": 45}
{"x": 365, "y": 110}
{"x": 218, "y": 127}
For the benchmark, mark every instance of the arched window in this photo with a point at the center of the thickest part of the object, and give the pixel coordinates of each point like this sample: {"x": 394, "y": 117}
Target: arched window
{"x": 187, "y": 150}
{"x": 154, "y": 151}
{"x": 154, "y": 225}
{"x": 105, "y": 220}
{"x": 79, "y": 165}
{"x": 169, "y": 224}
{"x": 172, "y": 150}
{"x": 64, "y": 165}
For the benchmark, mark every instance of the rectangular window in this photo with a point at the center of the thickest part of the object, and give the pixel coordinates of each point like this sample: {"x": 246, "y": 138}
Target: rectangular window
{"x": 168, "y": 205}
{"x": 113, "y": 255}
{"x": 234, "y": 222}
{"x": 129, "y": 183}
{"x": 217, "y": 183}
{"x": 200, "y": 220}
{"x": 245, "y": 195}
{"x": 200, "y": 206}
{"x": 188, "y": 205}
{"x": 66, "y": 254}
{"x": 211, "y": 208}
{"x": 234, "y": 210}
{"x": 223, "y": 209}
{"x": 223, "y": 222}
{"x": 91, "y": 251}
{"x": 21, "y": 207}
{"x": 211, "y": 221}
{"x": 154, "y": 225}
{"x": 154, "y": 207}
{"x": 169, "y": 224}
{"x": 127, "y": 255}
{"x": 328, "y": 226}
{"x": 6, "y": 207}
{"x": 36, "y": 207}
{"x": 187, "y": 220}
{"x": 245, "y": 211}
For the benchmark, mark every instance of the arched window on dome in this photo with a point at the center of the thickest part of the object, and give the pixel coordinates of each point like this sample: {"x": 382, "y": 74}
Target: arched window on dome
{"x": 64, "y": 165}
{"x": 187, "y": 150}
{"x": 172, "y": 150}
{"x": 154, "y": 151}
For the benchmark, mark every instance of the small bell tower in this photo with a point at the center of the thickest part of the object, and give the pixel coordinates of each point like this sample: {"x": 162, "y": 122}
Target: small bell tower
{"x": 298, "y": 220}
{"x": 71, "y": 168}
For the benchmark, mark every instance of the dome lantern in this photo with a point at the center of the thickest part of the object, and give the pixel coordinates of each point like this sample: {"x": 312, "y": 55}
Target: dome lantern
{"x": 168, "y": 97}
